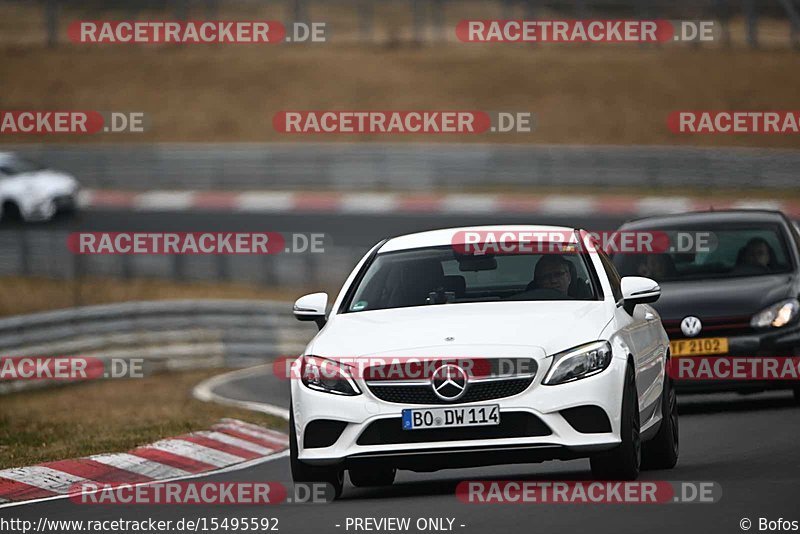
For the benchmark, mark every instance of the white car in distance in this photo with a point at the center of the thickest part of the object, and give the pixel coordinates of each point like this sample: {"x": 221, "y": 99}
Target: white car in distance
{"x": 31, "y": 192}
{"x": 532, "y": 357}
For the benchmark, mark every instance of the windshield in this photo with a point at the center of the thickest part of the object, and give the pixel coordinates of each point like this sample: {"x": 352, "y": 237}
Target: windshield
{"x": 439, "y": 275}
{"x": 734, "y": 251}
{"x": 15, "y": 165}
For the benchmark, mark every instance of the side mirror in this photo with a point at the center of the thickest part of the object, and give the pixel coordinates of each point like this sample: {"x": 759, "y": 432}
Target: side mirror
{"x": 311, "y": 308}
{"x": 638, "y": 290}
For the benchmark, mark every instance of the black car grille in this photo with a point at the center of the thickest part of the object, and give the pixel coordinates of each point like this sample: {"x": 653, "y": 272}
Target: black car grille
{"x": 512, "y": 425}
{"x": 712, "y": 327}
{"x": 476, "y": 391}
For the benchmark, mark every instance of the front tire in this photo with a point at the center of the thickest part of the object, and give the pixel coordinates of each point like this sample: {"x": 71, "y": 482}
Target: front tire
{"x": 304, "y": 473}
{"x": 662, "y": 451}
{"x": 624, "y": 461}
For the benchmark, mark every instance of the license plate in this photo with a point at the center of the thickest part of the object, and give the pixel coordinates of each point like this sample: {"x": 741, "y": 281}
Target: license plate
{"x": 699, "y": 347}
{"x": 417, "y": 419}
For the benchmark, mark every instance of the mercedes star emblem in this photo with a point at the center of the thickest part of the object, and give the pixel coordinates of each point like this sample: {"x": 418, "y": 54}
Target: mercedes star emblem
{"x": 449, "y": 382}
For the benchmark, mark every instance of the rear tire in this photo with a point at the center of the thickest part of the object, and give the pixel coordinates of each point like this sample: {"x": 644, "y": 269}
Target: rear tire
{"x": 624, "y": 461}
{"x": 662, "y": 451}
{"x": 304, "y": 473}
{"x": 797, "y": 396}
{"x": 366, "y": 477}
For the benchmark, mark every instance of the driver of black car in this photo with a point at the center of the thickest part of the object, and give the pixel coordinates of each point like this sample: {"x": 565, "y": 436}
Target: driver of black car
{"x": 756, "y": 256}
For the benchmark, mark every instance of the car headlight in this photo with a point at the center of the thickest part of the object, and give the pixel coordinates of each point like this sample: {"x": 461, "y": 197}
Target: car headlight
{"x": 330, "y": 376}
{"x": 579, "y": 362}
{"x": 776, "y": 315}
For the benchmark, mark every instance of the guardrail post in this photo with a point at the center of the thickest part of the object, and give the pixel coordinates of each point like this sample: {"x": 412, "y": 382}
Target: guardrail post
{"x": 751, "y": 16}
{"x": 212, "y": 8}
{"x": 51, "y": 22}
{"x": 77, "y": 278}
{"x": 418, "y": 20}
{"x": 223, "y": 267}
{"x": 24, "y": 253}
{"x": 178, "y": 268}
{"x": 722, "y": 10}
{"x": 366, "y": 20}
{"x": 299, "y": 10}
{"x": 181, "y": 10}
{"x": 507, "y": 8}
{"x": 438, "y": 20}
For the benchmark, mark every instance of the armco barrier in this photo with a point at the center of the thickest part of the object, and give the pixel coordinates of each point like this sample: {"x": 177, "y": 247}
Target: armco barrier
{"x": 413, "y": 166}
{"x": 170, "y": 334}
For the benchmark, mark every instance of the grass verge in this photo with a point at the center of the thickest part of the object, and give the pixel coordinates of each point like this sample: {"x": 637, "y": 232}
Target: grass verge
{"x": 107, "y": 416}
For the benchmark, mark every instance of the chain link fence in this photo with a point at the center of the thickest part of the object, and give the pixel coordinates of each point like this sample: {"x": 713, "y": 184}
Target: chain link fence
{"x": 753, "y": 22}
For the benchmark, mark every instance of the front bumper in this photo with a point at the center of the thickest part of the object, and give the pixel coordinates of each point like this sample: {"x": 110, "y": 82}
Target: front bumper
{"x": 776, "y": 343}
{"x": 551, "y": 437}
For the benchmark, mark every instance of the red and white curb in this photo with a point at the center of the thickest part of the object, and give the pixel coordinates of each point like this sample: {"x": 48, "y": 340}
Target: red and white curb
{"x": 229, "y": 445}
{"x": 415, "y": 203}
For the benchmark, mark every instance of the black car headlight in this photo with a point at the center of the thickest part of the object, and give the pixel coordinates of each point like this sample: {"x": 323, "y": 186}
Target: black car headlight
{"x": 329, "y": 376}
{"x": 777, "y": 315}
{"x": 579, "y": 362}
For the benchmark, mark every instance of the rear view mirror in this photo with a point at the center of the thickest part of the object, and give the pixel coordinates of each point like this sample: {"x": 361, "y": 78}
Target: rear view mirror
{"x": 311, "y": 308}
{"x": 476, "y": 263}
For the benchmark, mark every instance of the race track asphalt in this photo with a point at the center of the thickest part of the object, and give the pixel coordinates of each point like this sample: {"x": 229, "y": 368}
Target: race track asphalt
{"x": 746, "y": 444}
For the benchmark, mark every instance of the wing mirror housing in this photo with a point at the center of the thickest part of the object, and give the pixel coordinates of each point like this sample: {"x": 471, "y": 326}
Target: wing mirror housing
{"x": 311, "y": 308}
{"x": 638, "y": 290}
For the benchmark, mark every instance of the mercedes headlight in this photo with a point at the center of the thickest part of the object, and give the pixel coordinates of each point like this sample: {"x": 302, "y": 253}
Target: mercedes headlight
{"x": 329, "y": 376}
{"x": 579, "y": 362}
{"x": 776, "y": 315}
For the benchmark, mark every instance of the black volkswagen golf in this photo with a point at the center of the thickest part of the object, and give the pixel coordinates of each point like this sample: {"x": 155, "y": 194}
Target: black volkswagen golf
{"x": 730, "y": 284}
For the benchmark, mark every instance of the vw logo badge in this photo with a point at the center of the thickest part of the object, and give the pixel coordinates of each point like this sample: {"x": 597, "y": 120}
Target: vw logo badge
{"x": 691, "y": 326}
{"x": 449, "y": 382}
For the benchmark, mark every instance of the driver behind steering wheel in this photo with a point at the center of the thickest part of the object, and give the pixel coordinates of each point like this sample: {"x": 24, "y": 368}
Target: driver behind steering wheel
{"x": 552, "y": 272}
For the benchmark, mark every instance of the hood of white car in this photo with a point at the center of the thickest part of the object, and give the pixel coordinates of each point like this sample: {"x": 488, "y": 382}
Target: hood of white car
{"x": 552, "y": 326}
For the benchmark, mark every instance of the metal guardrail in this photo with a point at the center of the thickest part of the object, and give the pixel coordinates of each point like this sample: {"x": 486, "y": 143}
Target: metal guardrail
{"x": 427, "y": 20}
{"x": 165, "y": 334}
{"x": 372, "y": 166}
{"x": 44, "y": 252}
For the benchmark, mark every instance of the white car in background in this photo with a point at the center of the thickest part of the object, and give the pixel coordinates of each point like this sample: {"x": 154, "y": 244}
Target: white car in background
{"x": 31, "y": 192}
{"x": 567, "y": 361}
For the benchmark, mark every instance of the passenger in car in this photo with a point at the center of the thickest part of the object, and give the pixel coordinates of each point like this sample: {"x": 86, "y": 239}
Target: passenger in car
{"x": 656, "y": 266}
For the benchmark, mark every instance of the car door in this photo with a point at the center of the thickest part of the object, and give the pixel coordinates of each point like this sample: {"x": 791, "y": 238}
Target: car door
{"x": 640, "y": 331}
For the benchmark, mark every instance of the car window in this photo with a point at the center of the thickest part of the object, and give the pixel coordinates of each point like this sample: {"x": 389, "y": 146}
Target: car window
{"x": 734, "y": 250}
{"x": 14, "y": 165}
{"x": 439, "y": 275}
{"x": 613, "y": 276}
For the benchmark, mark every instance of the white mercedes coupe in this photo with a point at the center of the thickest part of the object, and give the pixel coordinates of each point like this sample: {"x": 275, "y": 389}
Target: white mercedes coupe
{"x": 434, "y": 357}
